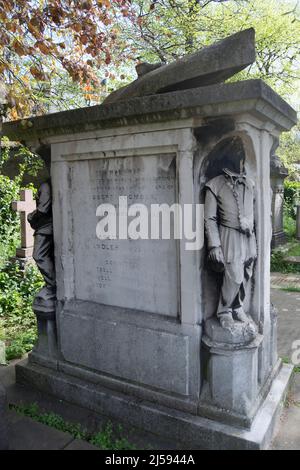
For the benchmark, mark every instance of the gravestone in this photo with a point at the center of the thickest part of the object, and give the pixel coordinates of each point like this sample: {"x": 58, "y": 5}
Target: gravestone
{"x": 139, "y": 323}
{"x": 24, "y": 206}
{"x": 278, "y": 175}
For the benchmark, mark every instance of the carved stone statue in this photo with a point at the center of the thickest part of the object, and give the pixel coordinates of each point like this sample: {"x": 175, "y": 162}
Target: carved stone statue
{"x": 229, "y": 227}
{"x": 43, "y": 253}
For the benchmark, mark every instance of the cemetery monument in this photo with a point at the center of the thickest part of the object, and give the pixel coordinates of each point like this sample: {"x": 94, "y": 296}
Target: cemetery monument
{"x": 278, "y": 175}
{"x": 180, "y": 342}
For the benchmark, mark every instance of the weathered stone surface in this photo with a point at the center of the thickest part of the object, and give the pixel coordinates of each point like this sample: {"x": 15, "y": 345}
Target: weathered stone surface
{"x": 138, "y": 353}
{"x": 138, "y": 274}
{"x": 211, "y": 101}
{"x": 210, "y": 65}
{"x": 232, "y": 375}
{"x": 241, "y": 335}
{"x": 26, "y": 434}
{"x": 192, "y": 431}
{"x": 145, "y": 67}
{"x": 4, "y": 444}
{"x": 45, "y": 349}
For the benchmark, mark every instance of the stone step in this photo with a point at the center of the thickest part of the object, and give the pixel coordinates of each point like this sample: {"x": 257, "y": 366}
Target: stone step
{"x": 292, "y": 259}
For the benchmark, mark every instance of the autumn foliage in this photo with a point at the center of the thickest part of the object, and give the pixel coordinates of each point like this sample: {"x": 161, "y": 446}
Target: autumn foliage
{"x": 39, "y": 39}
{"x": 61, "y": 54}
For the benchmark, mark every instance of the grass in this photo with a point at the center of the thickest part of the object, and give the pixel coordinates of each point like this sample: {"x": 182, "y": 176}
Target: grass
{"x": 18, "y": 322}
{"x": 290, "y": 289}
{"x": 106, "y": 439}
{"x": 294, "y": 249}
{"x": 286, "y": 360}
{"x": 289, "y": 226}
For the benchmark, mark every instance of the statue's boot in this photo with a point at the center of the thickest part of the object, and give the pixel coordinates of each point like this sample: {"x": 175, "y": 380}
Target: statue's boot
{"x": 226, "y": 320}
{"x": 240, "y": 315}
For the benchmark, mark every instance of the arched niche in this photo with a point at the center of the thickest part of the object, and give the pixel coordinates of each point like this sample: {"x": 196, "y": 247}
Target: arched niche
{"x": 236, "y": 153}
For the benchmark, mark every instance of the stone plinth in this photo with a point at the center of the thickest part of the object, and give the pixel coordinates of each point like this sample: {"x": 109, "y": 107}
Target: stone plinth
{"x": 232, "y": 370}
{"x": 45, "y": 350}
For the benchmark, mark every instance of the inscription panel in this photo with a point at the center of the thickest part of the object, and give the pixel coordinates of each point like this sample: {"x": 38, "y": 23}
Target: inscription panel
{"x": 138, "y": 274}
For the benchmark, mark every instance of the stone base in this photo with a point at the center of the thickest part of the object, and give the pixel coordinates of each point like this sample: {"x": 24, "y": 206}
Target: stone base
{"x": 190, "y": 431}
{"x": 46, "y": 347}
{"x": 24, "y": 253}
{"x": 231, "y": 372}
{"x": 23, "y": 262}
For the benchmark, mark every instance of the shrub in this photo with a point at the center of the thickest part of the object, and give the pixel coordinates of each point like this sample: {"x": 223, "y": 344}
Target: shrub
{"x": 9, "y": 219}
{"x": 291, "y": 192}
{"x": 289, "y": 225}
{"x": 17, "y": 290}
{"x": 278, "y": 259}
{"x": 9, "y": 192}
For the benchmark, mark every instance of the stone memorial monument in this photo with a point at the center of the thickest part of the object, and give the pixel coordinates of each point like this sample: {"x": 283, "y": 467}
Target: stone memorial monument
{"x": 180, "y": 342}
{"x": 278, "y": 175}
{"x": 24, "y": 206}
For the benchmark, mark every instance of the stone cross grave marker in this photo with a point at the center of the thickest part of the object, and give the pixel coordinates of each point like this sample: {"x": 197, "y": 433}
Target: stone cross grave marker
{"x": 26, "y": 205}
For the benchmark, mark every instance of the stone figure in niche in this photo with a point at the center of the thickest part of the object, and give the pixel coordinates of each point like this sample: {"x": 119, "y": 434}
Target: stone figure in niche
{"x": 43, "y": 253}
{"x": 229, "y": 227}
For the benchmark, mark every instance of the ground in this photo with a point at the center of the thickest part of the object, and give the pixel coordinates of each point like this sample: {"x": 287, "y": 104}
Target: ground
{"x": 288, "y": 305}
{"x": 29, "y": 434}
